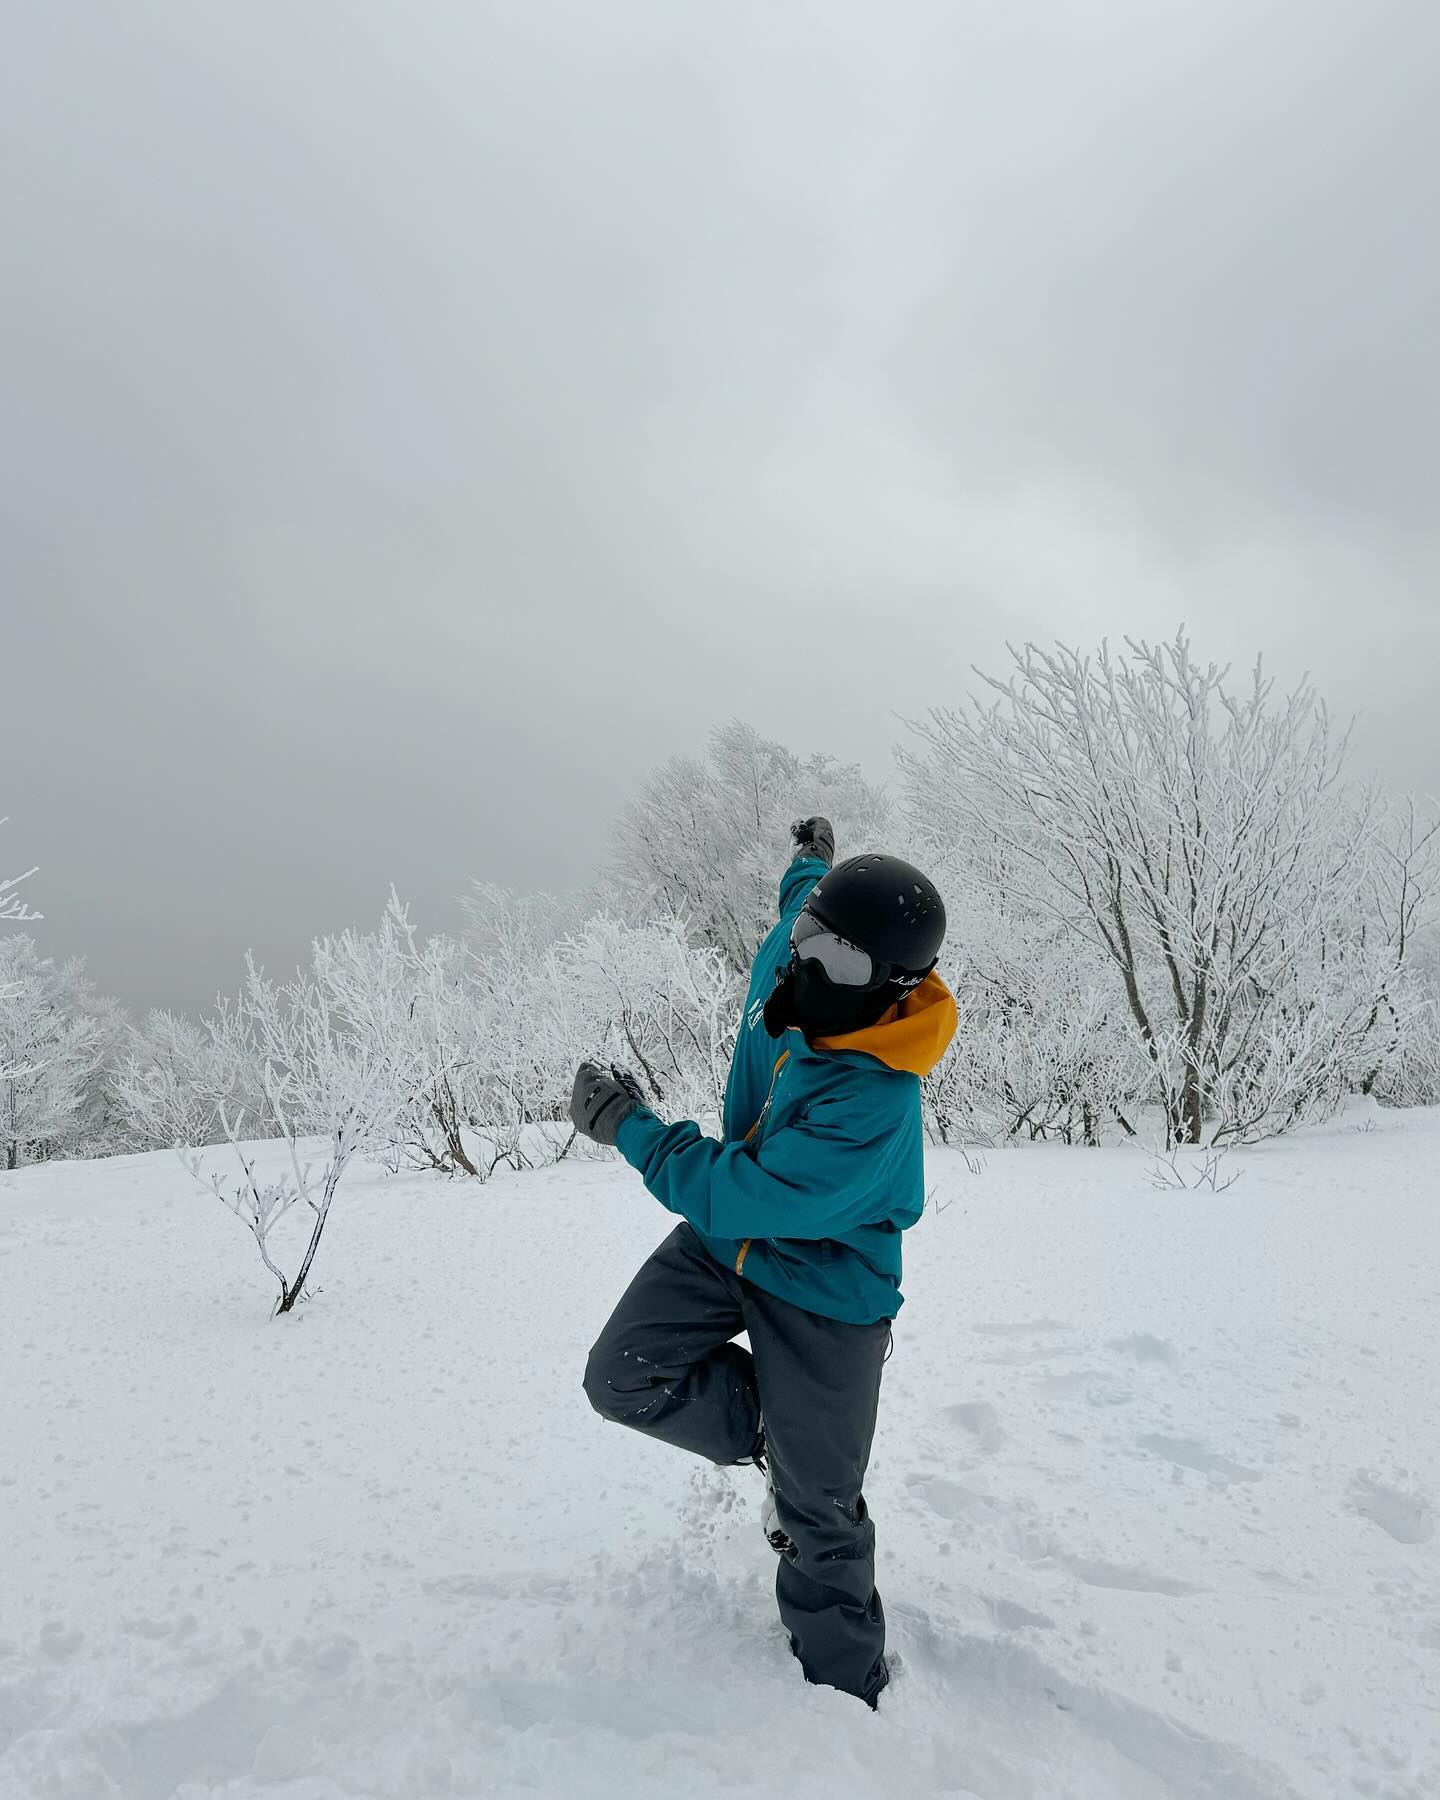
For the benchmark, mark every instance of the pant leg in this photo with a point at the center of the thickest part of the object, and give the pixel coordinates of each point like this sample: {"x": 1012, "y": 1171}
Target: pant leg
{"x": 664, "y": 1363}
{"x": 819, "y": 1384}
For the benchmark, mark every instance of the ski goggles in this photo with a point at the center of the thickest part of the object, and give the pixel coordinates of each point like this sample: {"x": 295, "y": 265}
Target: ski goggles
{"x": 846, "y": 964}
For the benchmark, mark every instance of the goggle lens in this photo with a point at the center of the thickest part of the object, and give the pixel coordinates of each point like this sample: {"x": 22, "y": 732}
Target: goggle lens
{"x": 846, "y": 964}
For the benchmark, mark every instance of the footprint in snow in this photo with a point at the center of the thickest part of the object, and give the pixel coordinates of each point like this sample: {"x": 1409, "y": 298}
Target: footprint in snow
{"x": 1144, "y": 1347}
{"x": 1188, "y": 1453}
{"x": 1015, "y": 1528}
{"x": 1012, "y": 1525}
{"x": 1095, "y": 1388}
{"x": 952, "y": 1501}
{"x": 981, "y": 1420}
{"x": 1409, "y": 1518}
{"x": 1009, "y": 1615}
{"x": 1128, "y": 1580}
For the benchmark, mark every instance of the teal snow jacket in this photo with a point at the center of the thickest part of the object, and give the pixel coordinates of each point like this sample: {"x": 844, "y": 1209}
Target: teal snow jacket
{"x": 821, "y": 1165}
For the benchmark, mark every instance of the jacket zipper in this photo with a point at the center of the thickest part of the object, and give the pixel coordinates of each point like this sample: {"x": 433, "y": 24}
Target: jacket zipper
{"x": 780, "y": 1062}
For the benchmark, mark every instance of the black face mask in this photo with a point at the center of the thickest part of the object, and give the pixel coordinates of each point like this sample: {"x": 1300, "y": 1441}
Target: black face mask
{"x": 804, "y": 996}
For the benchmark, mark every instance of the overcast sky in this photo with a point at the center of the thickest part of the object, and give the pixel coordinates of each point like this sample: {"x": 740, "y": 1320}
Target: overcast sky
{"x": 419, "y": 420}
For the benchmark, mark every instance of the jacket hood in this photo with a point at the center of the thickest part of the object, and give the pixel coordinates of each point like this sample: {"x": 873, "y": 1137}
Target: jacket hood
{"x": 912, "y": 1036}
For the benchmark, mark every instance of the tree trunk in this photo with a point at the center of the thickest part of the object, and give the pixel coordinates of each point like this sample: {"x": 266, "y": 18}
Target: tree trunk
{"x": 446, "y": 1115}
{"x": 639, "y": 1055}
{"x": 296, "y": 1291}
{"x": 1192, "y": 1106}
{"x": 1192, "y": 1090}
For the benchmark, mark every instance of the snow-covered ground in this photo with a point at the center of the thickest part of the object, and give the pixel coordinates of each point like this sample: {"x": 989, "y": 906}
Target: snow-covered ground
{"x": 1155, "y": 1487}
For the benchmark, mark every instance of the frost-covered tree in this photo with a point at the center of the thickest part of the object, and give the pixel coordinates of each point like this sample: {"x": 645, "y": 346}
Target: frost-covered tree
{"x": 646, "y": 996}
{"x": 397, "y": 992}
{"x": 515, "y": 929}
{"x": 1410, "y": 1073}
{"x": 51, "y": 1048}
{"x": 13, "y": 909}
{"x": 1196, "y": 840}
{"x": 1042, "y": 1049}
{"x": 527, "y": 1021}
{"x": 1398, "y": 915}
{"x": 64, "y": 1039}
{"x": 100, "y": 1125}
{"x": 174, "y": 1076}
{"x": 705, "y": 838}
{"x": 640, "y": 992}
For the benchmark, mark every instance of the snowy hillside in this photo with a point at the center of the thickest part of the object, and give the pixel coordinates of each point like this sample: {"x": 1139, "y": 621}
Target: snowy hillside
{"x": 1155, "y": 1487}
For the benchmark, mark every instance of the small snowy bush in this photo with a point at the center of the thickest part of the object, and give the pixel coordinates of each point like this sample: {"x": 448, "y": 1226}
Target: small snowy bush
{"x": 321, "y": 1079}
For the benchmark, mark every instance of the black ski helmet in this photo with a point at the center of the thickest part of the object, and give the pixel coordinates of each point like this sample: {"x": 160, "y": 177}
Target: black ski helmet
{"x": 886, "y": 906}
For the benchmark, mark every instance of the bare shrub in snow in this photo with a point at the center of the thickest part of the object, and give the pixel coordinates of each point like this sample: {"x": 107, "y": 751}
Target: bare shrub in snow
{"x": 320, "y": 1080}
{"x": 1198, "y": 844}
{"x": 1210, "y": 1174}
{"x": 260, "y": 1205}
{"x": 704, "y": 841}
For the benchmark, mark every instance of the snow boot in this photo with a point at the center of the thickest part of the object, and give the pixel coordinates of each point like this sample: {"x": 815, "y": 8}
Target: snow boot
{"x": 775, "y": 1534}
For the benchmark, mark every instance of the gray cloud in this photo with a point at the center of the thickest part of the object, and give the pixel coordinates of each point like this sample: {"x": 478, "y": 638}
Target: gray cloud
{"x": 416, "y": 424}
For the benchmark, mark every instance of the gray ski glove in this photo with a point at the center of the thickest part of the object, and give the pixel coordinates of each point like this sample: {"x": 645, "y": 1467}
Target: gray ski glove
{"x": 602, "y": 1100}
{"x": 814, "y": 836}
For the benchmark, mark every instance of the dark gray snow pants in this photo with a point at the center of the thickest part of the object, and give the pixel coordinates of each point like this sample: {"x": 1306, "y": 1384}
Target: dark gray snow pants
{"x": 664, "y": 1364}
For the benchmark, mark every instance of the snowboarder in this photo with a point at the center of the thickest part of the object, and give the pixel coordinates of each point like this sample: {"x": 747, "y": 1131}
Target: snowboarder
{"x": 791, "y": 1232}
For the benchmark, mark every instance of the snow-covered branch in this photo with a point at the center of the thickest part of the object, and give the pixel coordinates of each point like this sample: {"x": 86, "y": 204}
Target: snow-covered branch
{"x": 13, "y": 909}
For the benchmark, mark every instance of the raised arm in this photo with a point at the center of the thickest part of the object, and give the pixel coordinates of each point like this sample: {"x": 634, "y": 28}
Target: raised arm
{"x": 812, "y": 852}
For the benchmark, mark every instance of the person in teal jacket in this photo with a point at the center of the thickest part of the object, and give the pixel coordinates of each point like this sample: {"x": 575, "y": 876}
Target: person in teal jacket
{"x": 791, "y": 1232}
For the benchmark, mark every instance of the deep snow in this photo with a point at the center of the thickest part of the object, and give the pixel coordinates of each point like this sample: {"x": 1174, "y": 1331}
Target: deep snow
{"x": 1154, "y": 1486}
